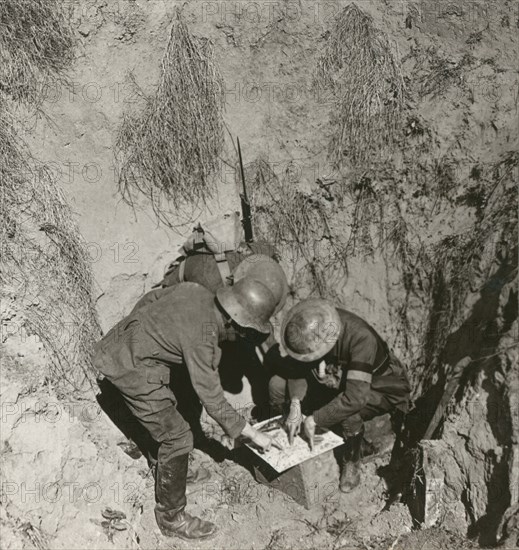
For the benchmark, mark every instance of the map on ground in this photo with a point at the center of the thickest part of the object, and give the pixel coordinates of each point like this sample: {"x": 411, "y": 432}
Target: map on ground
{"x": 292, "y": 455}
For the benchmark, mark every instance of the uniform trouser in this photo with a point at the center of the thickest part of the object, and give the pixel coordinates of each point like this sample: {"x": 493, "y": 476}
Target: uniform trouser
{"x": 318, "y": 395}
{"x": 154, "y": 405}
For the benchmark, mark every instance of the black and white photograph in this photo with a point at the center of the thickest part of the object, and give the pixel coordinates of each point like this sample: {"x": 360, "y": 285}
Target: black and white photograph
{"x": 259, "y": 284}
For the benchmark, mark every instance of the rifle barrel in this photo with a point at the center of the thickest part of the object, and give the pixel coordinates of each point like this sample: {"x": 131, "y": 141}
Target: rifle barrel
{"x": 245, "y": 205}
{"x": 241, "y": 170}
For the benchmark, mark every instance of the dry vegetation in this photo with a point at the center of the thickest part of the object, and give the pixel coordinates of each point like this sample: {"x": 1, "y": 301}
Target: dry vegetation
{"x": 435, "y": 74}
{"x": 461, "y": 263}
{"x": 357, "y": 65}
{"x": 392, "y": 210}
{"x": 298, "y": 223}
{"x": 170, "y": 149}
{"x": 359, "y": 68}
{"x": 36, "y": 47}
{"x": 439, "y": 272}
{"x": 46, "y": 275}
{"x": 46, "y": 269}
{"x": 395, "y": 208}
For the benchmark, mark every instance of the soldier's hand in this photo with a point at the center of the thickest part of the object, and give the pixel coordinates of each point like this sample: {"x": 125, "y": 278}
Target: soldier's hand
{"x": 309, "y": 427}
{"x": 294, "y": 420}
{"x": 261, "y": 440}
{"x": 227, "y": 442}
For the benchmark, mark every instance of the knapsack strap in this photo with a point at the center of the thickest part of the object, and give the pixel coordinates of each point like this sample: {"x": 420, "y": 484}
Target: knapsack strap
{"x": 182, "y": 271}
{"x": 224, "y": 269}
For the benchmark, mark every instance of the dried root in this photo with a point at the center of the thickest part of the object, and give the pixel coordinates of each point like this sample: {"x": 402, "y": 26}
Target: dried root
{"x": 46, "y": 268}
{"x": 170, "y": 150}
{"x": 358, "y": 66}
{"x": 298, "y": 224}
{"x": 36, "y": 47}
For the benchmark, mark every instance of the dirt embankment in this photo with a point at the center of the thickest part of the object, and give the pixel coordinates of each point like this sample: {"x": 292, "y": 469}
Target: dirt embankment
{"x": 62, "y": 464}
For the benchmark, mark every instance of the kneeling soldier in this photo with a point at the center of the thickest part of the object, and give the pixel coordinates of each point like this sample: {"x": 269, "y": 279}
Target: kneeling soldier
{"x": 342, "y": 372}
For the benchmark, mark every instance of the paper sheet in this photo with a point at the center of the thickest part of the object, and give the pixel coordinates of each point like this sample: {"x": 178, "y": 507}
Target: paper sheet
{"x": 299, "y": 451}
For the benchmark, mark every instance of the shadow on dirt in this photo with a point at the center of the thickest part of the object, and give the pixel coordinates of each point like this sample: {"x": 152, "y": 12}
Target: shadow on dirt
{"x": 477, "y": 338}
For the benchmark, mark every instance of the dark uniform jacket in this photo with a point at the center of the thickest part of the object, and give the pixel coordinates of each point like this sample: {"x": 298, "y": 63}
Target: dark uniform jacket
{"x": 358, "y": 364}
{"x": 167, "y": 328}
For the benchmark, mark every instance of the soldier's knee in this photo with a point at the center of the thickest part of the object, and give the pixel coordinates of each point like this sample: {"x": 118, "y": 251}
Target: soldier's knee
{"x": 176, "y": 443}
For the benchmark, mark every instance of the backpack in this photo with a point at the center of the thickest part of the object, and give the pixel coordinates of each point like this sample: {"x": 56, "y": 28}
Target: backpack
{"x": 211, "y": 254}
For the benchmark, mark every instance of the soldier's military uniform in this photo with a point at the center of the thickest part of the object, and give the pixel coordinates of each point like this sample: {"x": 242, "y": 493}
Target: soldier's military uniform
{"x": 358, "y": 379}
{"x": 362, "y": 379}
{"x": 180, "y": 327}
{"x": 171, "y": 328}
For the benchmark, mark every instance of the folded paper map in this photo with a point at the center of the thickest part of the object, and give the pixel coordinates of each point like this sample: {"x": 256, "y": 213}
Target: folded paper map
{"x": 288, "y": 455}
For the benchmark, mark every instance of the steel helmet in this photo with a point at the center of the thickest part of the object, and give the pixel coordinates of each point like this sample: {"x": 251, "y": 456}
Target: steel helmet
{"x": 310, "y": 329}
{"x": 249, "y": 303}
{"x": 265, "y": 269}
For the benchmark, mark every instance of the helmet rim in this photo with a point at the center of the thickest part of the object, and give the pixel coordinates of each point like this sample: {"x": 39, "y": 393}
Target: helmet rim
{"x": 324, "y": 346}
{"x": 228, "y": 300}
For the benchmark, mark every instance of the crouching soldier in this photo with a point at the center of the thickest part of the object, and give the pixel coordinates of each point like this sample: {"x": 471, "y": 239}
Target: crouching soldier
{"x": 182, "y": 327}
{"x": 341, "y": 372}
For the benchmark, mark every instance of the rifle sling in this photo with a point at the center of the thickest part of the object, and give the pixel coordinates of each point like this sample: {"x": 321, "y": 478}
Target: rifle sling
{"x": 223, "y": 267}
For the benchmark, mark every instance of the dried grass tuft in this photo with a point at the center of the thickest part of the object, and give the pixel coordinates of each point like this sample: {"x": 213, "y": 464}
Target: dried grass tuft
{"x": 46, "y": 268}
{"x": 170, "y": 150}
{"x": 358, "y": 66}
{"x": 36, "y": 47}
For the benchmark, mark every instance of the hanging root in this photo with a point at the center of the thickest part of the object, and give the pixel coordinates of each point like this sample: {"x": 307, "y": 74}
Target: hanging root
{"x": 436, "y": 273}
{"x": 297, "y": 223}
{"x": 434, "y": 74}
{"x": 358, "y": 66}
{"x": 36, "y": 47}
{"x": 170, "y": 150}
{"x": 46, "y": 271}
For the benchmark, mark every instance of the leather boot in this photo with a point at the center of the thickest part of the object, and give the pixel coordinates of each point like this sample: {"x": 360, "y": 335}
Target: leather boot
{"x": 350, "y": 473}
{"x": 195, "y": 478}
{"x": 170, "y": 492}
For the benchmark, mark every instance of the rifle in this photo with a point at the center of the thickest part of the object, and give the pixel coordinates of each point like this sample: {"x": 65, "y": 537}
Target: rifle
{"x": 245, "y": 204}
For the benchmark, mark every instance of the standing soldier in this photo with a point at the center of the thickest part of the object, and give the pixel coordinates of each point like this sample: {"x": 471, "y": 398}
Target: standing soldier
{"x": 350, "y": 377}
{"x": 182, "y": 327}
{"x": 238, "y": 358}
